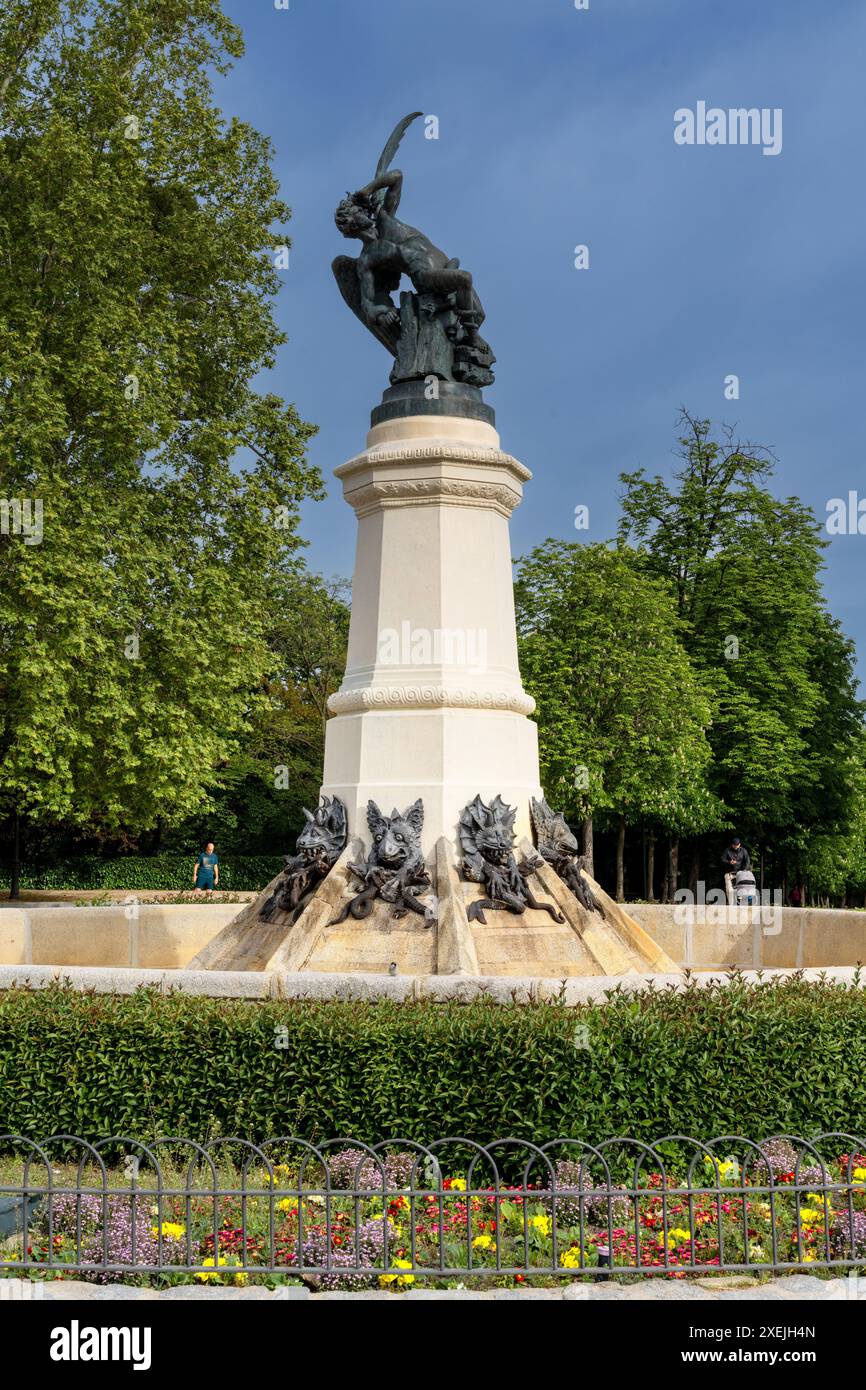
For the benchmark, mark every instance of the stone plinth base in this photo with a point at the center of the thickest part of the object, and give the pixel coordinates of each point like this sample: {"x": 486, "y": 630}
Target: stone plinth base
{"x": 531, "y": 943}
{"x": 445, "y": 756}
{"x": 432, "y": 703}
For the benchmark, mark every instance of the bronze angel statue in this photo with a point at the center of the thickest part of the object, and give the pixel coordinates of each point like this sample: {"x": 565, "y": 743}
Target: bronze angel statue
{"x": 434, "y": 331}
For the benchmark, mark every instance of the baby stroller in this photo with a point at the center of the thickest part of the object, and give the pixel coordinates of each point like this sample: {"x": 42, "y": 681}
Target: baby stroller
{"x": 745, "y": 888}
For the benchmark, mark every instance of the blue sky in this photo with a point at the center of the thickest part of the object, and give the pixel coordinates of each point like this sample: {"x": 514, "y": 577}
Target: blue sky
{"x": 556, "y": 128}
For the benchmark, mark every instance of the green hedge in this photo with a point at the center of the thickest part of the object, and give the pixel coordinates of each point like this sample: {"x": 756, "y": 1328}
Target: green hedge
{"x": 752, "y": 1060}
{"x": 241, "y": 874}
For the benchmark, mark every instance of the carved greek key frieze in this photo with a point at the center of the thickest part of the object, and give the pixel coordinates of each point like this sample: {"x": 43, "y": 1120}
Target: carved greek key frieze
{"x": 428, "y": 697}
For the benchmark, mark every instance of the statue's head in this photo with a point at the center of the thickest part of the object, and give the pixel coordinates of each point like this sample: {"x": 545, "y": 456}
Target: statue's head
{"x": 355, "y": 217}
{"x": 396, "y": 838}
{"x": 487, "y": 832}
{"x": 551, "y": 829}
{"x": 325, "y": 831}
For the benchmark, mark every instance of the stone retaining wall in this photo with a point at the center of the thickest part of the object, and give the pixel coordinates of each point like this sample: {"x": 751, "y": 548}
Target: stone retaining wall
{"x": 792, "y": 1286}
{"x": 311, "y": 984}
{"x": 169, "y": 936}
{"x": 751, "y": 938}
{"x": 159, "y": 936}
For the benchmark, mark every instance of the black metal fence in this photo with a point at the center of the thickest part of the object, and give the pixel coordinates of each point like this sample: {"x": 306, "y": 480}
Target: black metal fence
{"x": 345, "y": 1214}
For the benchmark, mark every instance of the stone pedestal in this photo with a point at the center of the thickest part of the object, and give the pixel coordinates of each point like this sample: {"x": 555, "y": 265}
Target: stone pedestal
{"x": 431, "y": 704}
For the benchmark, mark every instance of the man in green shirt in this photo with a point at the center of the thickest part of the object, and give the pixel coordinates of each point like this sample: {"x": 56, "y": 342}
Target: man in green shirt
{"x": 206, "y": 874}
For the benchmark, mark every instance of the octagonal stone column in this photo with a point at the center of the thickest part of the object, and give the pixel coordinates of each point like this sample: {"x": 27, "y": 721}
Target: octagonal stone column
{"x": 431, "y": 703}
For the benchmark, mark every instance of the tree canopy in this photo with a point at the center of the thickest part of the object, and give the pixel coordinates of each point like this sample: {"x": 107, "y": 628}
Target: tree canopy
{"x": 622, "y": 715}
{"x": 138, "y": 235}
{"x": 745, "y": 568}
{"x": 694, "y": 671}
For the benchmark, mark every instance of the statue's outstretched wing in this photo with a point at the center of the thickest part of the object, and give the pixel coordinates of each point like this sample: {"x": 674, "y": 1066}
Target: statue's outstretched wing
{"x": 345, "y": 270}
{"x": 542, "y": 817}
{"x": 394, "y": 139}
{"x": 472, "y": 821}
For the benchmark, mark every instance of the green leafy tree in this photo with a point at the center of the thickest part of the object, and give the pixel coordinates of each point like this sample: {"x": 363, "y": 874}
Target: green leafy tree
{"x": 745, "y": 569}
{"x": 278, "y": 767}
{"x": 138, "y": 233}
{"x": 832, "y": 865}
{"x": 621, "y": 715}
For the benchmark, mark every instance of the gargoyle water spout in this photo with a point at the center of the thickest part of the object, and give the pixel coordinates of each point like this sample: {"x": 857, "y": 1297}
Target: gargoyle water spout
{"x": 487, "y": 840}
{"x": 395, "y": 869}
{"x": 318, "y": 847}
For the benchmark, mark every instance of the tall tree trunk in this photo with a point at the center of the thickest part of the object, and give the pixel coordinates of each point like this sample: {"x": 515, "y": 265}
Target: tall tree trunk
{"x": 15, "y": 877}
{"x": 673, "y": 867}
{"x": 588, "y": 846}
{"x": 761, "y": 884}
{"x": 650, "y": 868}
{"x": 695, "y": 871}
{"x": 620, "y": 861}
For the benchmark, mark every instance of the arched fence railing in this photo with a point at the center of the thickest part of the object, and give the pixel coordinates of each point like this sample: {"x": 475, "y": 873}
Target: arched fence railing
{"x": 345, "y": 1214}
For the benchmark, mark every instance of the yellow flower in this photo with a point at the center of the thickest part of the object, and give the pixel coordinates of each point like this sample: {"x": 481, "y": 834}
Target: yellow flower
{"x": 859, "y": 1175}
{"x": 458, "y": 1184}
{"x": 677, "y": 1236}
{"x": 542, "y": 1223}
{"x": 809, "y": 1214}
{"x": 281, "y": 1170}
{"x": 209, "y": 1262}
{"x": 223, "y": 1264}
{"x": 288, "y": 1204}
{"x": 722, "y": 1167}
{"x": 482, "y": 1243}
{"x": 401, "y": 1280}
{"x": 172, "y": 1230}
{"x": 573, "y": 1258}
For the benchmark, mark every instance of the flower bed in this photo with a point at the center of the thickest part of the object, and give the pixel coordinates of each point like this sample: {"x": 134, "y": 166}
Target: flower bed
{"x": 349, "y": 1229}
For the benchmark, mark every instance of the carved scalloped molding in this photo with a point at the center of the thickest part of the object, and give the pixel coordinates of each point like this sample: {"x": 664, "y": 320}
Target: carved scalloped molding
{"x": 394, "y": 697}
{"x": 410, "y": 492}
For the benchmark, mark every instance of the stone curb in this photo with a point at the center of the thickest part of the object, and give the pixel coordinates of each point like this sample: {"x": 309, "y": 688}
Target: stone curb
{"x": 502, "y": 989}
{"x": 795, "y": 1286}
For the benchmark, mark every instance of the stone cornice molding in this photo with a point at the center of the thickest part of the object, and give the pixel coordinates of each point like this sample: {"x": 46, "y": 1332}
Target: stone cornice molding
{"x": 458, "y": 475}
{"x": 439, "y": 451}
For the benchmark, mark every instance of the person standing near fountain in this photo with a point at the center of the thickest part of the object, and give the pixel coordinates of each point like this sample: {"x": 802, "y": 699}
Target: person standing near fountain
{"x": 206, "y": 874}
{"x": 735, "y": 860}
